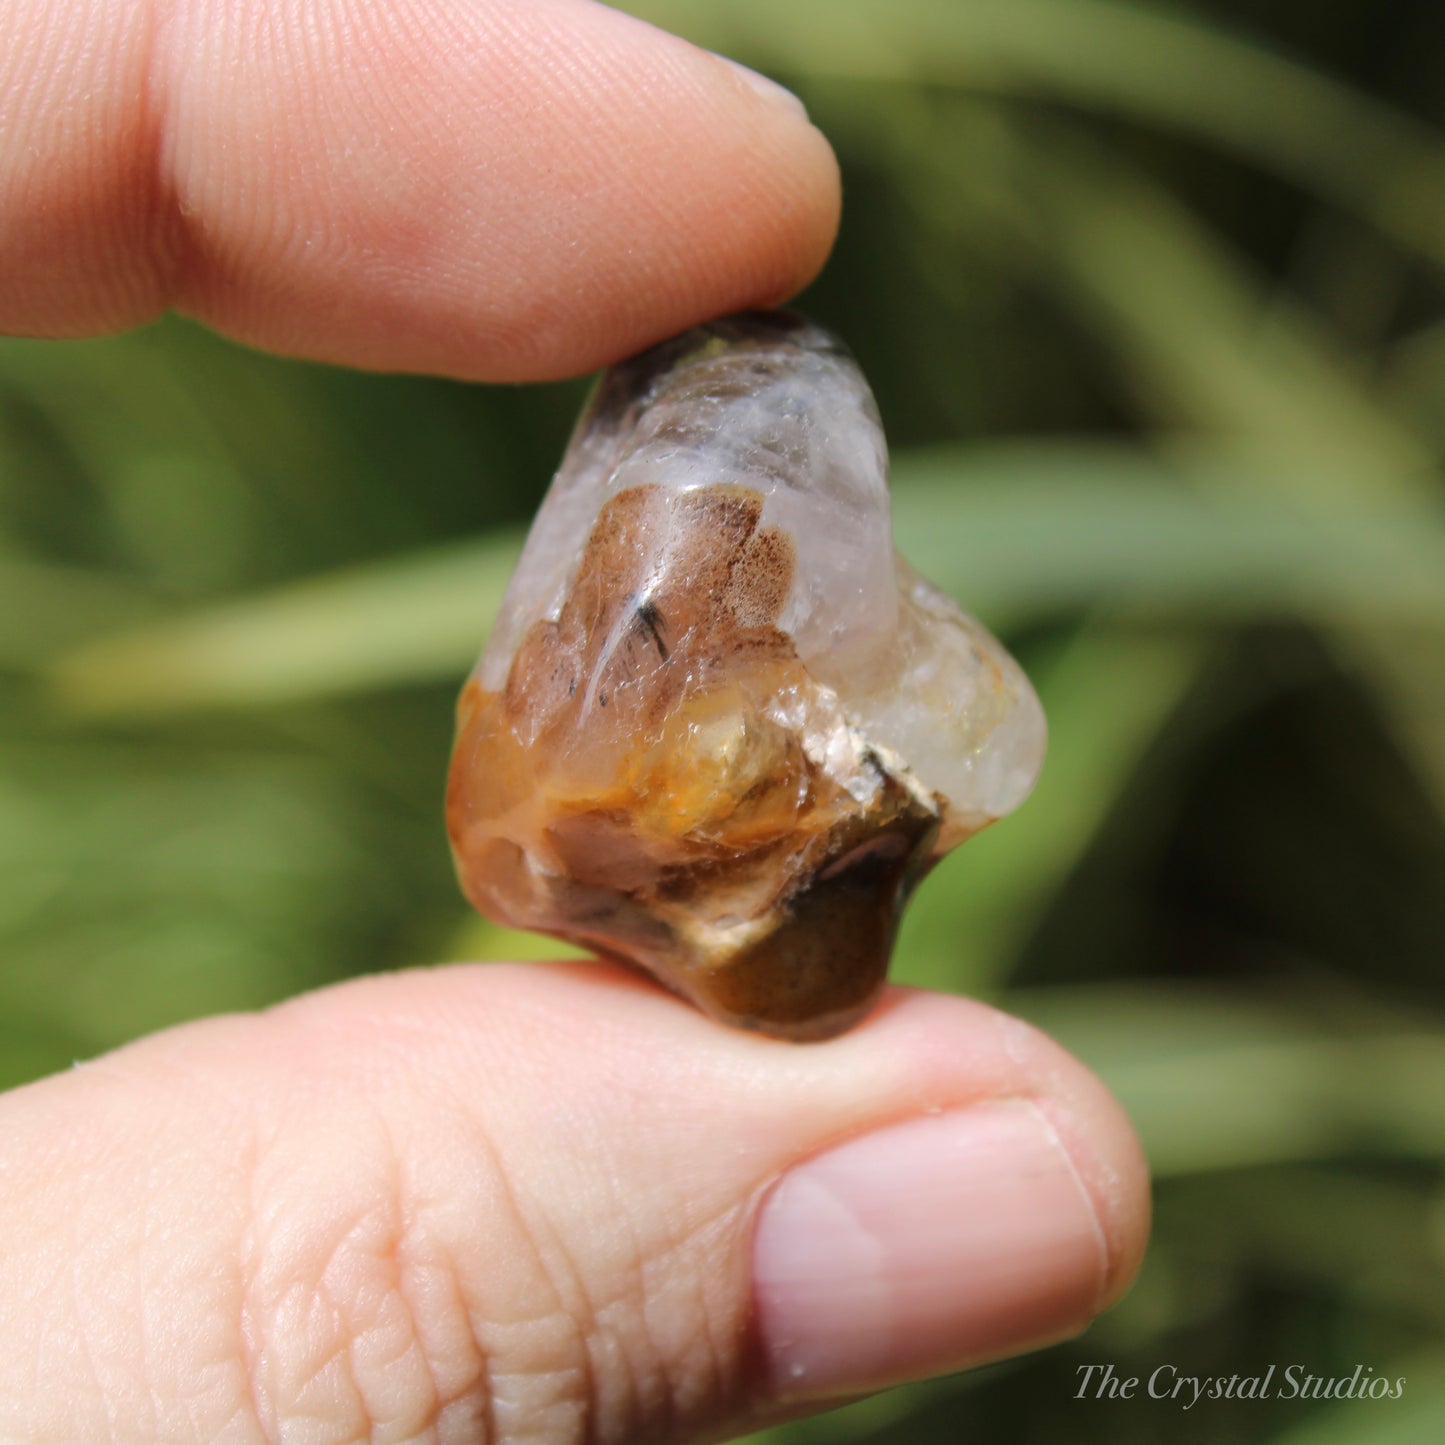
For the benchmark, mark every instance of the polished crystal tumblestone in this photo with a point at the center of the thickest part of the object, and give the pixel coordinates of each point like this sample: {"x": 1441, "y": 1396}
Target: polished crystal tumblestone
{"x": 721, "y": 728}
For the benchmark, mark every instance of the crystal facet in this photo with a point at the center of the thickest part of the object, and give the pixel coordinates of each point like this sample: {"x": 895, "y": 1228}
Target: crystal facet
{"x": 721, "y": 728}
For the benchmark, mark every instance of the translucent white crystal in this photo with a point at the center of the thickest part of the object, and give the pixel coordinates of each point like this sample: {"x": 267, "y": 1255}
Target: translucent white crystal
{"x": 776, "y": 404}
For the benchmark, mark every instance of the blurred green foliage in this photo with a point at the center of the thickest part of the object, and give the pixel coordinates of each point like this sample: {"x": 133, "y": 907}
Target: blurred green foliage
{"x": 1153, "y": 312}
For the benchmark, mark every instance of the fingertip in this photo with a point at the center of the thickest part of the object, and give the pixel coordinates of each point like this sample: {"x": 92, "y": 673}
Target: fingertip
{"x": 935, "y": 1244}
{"x": 488, "y": 189}
{"x": 1106, "y": 1152}
{"x": 492, "y": 191}
{"x": 1002, "y": 1212}
{"x": 1100, "y": 1140}
{"x": 713, "y": 193}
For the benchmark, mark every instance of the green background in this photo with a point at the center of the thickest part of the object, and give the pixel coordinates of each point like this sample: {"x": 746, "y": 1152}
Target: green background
{"x": 1151, "y": 300}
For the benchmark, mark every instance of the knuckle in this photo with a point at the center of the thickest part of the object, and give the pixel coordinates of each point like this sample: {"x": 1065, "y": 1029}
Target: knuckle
{"x": 400, "y": 1284}
{"x": 394, "y": 1293}
{"x": 345, "y": 1333}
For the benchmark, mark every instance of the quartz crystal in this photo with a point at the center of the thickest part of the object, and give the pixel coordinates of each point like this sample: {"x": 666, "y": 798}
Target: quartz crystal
{"x": 721, "y": 728}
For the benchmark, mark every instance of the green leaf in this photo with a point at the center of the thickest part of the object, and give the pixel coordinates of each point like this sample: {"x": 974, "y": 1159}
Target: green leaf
{"x": 1167, "y": 70}
{"x": 1216, "y": 1080}
{"x": 1193, "y": 327}
{"x": 1027, "y": 530}
{"x": 45, "y": 608}
{"x": 1016, "y": 533}
{"x": 479, "y": 940}
{"x": 414, "y": 619}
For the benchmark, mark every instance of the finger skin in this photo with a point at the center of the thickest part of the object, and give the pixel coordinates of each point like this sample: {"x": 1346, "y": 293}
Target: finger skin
{"x": 493, "y": 189}
{"x": 481, "y": 1203}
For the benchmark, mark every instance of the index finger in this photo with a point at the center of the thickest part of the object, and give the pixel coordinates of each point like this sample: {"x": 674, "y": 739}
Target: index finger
{"x": 494, "y": 189}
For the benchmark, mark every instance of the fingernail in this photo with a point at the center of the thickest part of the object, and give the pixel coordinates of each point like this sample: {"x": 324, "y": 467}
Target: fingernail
{"x": 767, "y": 88}
{"x": 922, "y": 1249}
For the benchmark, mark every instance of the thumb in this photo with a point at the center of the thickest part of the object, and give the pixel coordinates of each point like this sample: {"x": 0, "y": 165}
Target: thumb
{"x": 544, "y": 1203}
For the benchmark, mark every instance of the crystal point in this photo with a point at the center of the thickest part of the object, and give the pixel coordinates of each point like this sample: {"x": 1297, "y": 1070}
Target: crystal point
{"x": 721, "y": 728}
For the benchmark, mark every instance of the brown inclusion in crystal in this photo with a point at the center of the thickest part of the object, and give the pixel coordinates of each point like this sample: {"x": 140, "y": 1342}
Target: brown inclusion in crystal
{"x": 650, "y": 780}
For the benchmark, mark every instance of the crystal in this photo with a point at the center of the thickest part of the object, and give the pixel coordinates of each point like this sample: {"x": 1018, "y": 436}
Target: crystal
{"x": 721, "y": 729}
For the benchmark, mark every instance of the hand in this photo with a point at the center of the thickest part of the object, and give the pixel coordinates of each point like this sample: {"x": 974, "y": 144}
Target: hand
{"x": 487, "y": 1204}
